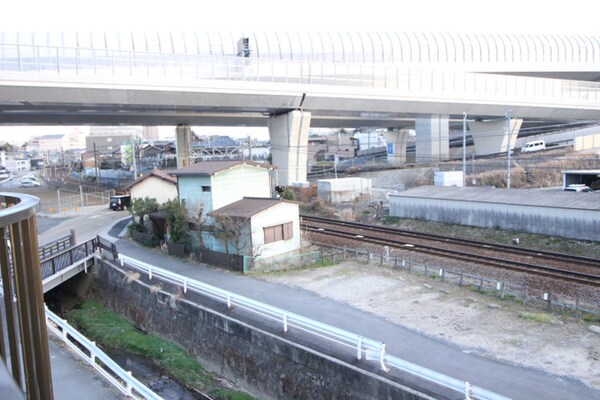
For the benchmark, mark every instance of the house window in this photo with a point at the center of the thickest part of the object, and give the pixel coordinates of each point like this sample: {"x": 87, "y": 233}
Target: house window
{"x": 278, "y": 232}
{"x": 206, "y": 188}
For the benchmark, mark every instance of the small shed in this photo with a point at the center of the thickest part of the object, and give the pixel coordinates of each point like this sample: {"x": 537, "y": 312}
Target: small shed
{"x": 343, "y": 189}
{"x": 590, "y": 178}
{"x": 266, "y": 227}
{"x": 448, "y": 178}
{"x": 156, "y": 184}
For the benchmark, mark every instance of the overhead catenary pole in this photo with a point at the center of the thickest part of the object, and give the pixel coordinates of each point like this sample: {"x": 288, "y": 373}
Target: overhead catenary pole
{"x": 464, "y": 149}
{"x": 508, "y": 149}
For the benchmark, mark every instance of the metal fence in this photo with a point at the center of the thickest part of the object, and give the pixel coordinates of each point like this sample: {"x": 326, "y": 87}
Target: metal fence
{"x": 364, "y": 348}
{"x": 49, "y": 249}
{"x": 502, "y": 289}
{"x": 72, "y": 202}
{"x": 66, "y": 258}
{"x": 45, "y": 61}
{"x": 86, "y": 349}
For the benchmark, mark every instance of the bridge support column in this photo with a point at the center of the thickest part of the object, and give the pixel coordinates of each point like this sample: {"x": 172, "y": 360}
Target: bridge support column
{"x": 289, "y": 145}
{"x": 433, "y": 139}
{"x": 183, "y": 145}
{"x": 396, "y": 146}
{"x": 490, "y": 137}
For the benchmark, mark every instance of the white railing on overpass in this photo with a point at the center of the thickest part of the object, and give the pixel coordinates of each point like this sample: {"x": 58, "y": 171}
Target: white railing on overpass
{"x": 86, "y": 349}
{"x": 48, "y": 60}
{"x": 363, "y": 347}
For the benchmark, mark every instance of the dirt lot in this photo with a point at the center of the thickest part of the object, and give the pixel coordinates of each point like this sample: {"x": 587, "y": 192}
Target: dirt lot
{"x": 558, "y": 344}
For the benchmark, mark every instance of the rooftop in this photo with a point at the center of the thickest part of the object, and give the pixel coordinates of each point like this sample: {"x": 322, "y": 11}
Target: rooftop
{"x": 214, "y": 167}
{"x": 156, "y": 173}
{"x": 247, "y": 207}
{"x": 532, "y": 197}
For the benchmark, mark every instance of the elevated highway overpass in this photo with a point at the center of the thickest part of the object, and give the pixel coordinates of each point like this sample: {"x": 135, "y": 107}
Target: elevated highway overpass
{"x": 75, "y": 85}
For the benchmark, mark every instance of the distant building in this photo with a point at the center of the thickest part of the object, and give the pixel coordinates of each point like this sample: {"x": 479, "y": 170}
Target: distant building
{"x": 18, "y": 165}
{"x": 46, "y": 143}
{"x": 325, "y": 148}
{"x": 109, "y": 139}
{"x": 150, "y": 133}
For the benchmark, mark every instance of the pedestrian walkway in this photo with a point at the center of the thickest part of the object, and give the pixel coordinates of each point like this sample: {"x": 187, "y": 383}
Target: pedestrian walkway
{"x": 72, "y": 378}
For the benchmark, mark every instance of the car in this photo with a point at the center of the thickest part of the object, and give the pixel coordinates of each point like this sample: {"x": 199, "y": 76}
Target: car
{"x": 577, "y": 188}
{"x": 28, "y": 182}
{"x": 119, "y": 202}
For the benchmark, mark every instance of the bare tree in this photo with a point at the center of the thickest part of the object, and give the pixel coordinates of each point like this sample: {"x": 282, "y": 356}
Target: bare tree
{"x": 229, "y": 229}
{"x": 199, "y": 220}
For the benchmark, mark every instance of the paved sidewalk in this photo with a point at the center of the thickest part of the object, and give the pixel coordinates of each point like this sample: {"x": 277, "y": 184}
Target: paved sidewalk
{"x": 72, "y": 378}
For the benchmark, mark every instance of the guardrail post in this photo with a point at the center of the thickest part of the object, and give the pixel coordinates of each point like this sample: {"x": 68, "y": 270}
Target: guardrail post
{"x": 359, "y": 348}
{"x": 285, "y": 323}
{"x": 382, "y": 358}
{"x": 185, "y": 286}
{"x": 128, "y": 387}
{"x": 228, "y": 301}
{"x": 92, "y": 353}
{"x": 468, "y": 392}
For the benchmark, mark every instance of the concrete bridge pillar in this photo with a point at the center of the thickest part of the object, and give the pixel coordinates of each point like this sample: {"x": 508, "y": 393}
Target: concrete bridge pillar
{"x": 433, "y": 143}
{"x": 183, "y": 145}
{"x": 490, "y": 137}
{"x": 396, "y": 146}
{"x": 289, "y": 145}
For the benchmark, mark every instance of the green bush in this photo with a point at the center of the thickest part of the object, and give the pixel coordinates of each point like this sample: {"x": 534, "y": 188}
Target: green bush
{"x": 288, "y": 194}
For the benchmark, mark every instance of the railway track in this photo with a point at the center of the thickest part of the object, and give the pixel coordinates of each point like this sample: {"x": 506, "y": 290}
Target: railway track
{"x": 583, "y": 270}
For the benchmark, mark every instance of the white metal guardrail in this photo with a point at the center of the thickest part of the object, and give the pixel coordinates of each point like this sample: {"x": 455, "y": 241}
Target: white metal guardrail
{"x": 48, "y": 60}
{"x": 363, "y": 347}
{"x": 121, "y": 379}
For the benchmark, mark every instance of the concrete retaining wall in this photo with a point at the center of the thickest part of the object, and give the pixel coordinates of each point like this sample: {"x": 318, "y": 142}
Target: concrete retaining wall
{"x": 269, "y": 366}
{"x": 569, "y": 223}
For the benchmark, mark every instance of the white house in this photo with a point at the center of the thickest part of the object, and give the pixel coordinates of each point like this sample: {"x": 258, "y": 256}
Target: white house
{"x": 267, "y": 227}
{"x": 155, "y": 184}
{"x": 214, "y": 184}
{"x": 18, "y": 165}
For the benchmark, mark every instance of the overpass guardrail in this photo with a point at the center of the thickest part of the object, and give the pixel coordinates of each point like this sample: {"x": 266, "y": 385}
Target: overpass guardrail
{"x": 364, "y": 348}
{"x": 86, "y": 349}
{"x": 45, "y": 61}
{"x": 64, "y": 259}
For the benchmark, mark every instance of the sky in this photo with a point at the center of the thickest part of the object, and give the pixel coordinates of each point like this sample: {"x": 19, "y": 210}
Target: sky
{"x": 478, "y": 16}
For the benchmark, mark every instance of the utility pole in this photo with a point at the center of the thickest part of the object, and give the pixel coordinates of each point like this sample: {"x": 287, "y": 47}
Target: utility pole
{"x": 133, "y": 153}
{"x": 508, "y": 149}
{"x": 96, "y": 168}
{"x": 464, "y": 149}
{"x": 249, "y": 148}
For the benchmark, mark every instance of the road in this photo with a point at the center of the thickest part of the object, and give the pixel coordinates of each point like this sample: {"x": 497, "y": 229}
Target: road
{"x": 509, "y": 380}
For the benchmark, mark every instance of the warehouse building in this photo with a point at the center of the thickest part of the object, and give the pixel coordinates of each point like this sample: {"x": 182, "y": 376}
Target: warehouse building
{"x": 549, "y": 212}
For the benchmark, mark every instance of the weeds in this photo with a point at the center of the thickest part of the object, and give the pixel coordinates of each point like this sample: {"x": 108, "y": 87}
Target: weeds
{"x": 113, "y": 331}
{"x": 536, "y": 317}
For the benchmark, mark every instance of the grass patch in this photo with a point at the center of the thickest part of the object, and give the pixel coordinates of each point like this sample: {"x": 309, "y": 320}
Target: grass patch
{"x": 591, "y": 318}
{"x": 537, "y": 317}
{"x": 113, "y": 331}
